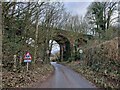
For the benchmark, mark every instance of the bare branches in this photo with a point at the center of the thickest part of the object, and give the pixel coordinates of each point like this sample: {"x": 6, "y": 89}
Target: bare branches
{"x": 100, "y": 15}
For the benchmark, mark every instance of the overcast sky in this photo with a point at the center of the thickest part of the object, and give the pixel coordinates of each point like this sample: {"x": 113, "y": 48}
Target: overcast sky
{"x": 79, "y": 8}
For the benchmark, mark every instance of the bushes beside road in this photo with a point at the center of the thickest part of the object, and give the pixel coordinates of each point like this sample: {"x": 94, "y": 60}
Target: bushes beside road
{"x": 101, "y": 64}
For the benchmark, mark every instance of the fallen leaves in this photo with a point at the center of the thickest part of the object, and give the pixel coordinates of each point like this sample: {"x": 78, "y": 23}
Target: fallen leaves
{"x": 25, "y": 79}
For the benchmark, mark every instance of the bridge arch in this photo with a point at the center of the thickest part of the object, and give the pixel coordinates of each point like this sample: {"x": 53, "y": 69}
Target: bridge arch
{"x": 64, "y": 43}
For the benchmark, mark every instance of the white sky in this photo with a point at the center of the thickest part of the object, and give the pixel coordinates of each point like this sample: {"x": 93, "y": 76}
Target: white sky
{"x": 79, "y": 8}
{"x": 58, "y": 0}
{"x": 55, "y": 47}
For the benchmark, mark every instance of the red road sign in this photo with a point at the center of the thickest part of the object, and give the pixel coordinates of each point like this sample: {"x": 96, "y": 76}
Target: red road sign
{"x": 27, "y": 56}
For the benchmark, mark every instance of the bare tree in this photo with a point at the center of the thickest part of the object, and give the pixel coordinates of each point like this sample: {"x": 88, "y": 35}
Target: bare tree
{"x": 36, "y": 26}
{"x": 0, "y": 44}
{"x": 100, "y": 15}
{"x": 51, "y": 19}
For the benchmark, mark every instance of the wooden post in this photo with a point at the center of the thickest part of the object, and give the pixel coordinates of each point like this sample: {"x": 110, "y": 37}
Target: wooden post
{"x": 20, "y": 60}
{"x": 14, "y": 63}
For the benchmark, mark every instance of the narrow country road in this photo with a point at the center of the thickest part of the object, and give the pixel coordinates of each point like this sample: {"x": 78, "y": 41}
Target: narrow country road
{"x": 64, "y": 77}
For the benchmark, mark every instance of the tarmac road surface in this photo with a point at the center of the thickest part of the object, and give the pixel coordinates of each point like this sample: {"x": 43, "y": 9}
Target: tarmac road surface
{"x": 64, "y": 77}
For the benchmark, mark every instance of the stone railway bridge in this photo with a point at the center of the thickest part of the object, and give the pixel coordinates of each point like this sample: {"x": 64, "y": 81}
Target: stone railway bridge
{"x": 68, "y": 40}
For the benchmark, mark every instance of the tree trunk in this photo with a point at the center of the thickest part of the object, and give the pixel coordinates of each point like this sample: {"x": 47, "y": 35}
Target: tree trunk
{"x": 36, "y": 38}
{"x": 50, "y": 48}
{"x": 1, "y": 44}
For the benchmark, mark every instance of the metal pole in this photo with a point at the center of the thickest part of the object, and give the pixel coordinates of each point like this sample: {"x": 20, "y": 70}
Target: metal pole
{"x": 80, "y": 51}
{"x": 80, "y": 56}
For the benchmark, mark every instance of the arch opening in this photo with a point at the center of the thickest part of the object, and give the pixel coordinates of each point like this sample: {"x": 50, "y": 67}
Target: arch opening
{"x": 55, "y": 50}
{"x": 63, "y": 47}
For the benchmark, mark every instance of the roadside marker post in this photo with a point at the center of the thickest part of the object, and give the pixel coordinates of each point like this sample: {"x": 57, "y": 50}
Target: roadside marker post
{"x": 27, "y": 58}
{"x": 15, "y": 62}
{"x": 80, "y": 51}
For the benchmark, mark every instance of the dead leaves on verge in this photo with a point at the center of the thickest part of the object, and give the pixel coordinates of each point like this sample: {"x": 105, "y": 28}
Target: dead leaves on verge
{"x": 25, "y": 79}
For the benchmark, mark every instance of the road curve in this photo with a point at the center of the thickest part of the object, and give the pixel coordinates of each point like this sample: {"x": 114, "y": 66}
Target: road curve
{"x": 65, "y": 78}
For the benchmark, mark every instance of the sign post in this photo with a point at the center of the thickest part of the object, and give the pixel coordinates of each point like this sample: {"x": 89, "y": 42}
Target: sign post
{"x": 27, "y": 58}
{"x": 27, "y": 66}
{"x": 80, "y": 51}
